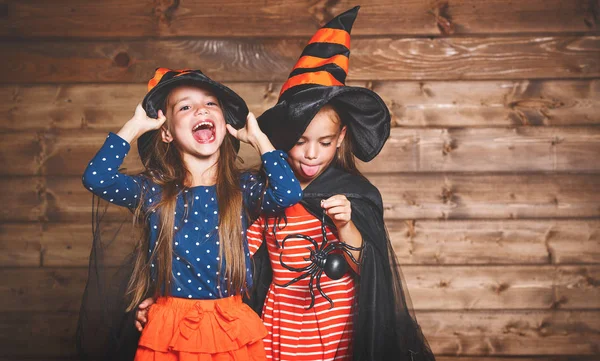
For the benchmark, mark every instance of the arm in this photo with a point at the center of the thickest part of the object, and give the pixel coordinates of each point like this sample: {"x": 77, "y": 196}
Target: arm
{"x": 339, "y": 209}
{"x": 284, "y": 189}
{"x": 102, "y": 176}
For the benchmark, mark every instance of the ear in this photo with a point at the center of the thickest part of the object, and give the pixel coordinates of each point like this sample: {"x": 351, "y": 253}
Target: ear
{"x": 341, "y": 137}
{"x": 166, "y": 135}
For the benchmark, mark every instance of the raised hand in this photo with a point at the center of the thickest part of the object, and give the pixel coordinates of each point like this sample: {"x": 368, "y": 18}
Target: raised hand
{"x": 252, "y": 135}
{"x": 140, "y": 123}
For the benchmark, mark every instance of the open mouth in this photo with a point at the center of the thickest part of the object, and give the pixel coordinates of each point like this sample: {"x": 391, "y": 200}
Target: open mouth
{"x": 204, "y": 131}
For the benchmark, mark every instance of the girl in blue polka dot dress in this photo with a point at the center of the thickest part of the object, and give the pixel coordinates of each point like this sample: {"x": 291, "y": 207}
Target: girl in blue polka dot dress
{"x": 193, "y": 203}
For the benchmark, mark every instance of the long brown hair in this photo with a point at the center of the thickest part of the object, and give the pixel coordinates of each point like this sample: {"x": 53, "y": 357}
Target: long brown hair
{"x": 164, "y": 166}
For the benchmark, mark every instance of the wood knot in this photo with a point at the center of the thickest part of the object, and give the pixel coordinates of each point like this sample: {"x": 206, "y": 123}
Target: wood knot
{"x": 410, "y": 225}
{"x": 321, "y": 11}
{"x": 557, "y": 140}
{"x": 165, "y": 9}
{"x": 443, "y": 20}
{"x": 501, "y": 288}
{"x": 122, "y": 60}
{"x": 443, "y": 284}
{"x": 447, "y": 195}
{"x": 592, "y": 14}
{"x": 449, "y": 146}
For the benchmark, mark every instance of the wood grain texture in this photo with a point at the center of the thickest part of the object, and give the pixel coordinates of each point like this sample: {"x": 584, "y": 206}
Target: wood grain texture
{"x": 406, "y": 196}
{"x": 431, "y": 288}
{"x": 421, "y": 242}
{"x": 113, "y": 18}
{"x": 412, "y": 104}
{"x": 522, "y": 149}
{"x": 487, "y": 242}
{"x": 541, "y": 333}
{"x": 389, "y": 58}
{"x": 464, "y": 333}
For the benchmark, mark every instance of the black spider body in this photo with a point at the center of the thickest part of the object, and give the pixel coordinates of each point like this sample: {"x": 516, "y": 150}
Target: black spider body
{"x": 323, "y": 260}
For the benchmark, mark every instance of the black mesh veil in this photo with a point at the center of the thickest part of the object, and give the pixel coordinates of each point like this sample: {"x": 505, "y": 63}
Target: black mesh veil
{"x": 385, "y": 327}
{"x": 105, "y": 331}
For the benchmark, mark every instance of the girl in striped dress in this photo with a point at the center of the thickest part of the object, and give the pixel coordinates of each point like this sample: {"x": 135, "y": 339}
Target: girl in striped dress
{"x": 320, "y": 332}
{"x": 360, "y": 314}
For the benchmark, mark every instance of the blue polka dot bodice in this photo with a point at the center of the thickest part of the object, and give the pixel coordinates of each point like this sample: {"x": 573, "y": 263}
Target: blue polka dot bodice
{"x": 196, "y": 260}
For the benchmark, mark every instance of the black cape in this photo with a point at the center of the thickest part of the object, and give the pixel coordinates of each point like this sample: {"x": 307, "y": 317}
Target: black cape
{"x": 384, "y": 325}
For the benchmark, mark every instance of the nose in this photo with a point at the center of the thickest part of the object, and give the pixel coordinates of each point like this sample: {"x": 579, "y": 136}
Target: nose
{"x": 202, "y": 111}
{"x": 311, "y": 152}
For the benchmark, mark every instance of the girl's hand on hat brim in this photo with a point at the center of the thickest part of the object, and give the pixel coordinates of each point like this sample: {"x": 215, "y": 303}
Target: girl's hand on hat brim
{"x": 252, "y": 135}
{"x": 140, "y": 123}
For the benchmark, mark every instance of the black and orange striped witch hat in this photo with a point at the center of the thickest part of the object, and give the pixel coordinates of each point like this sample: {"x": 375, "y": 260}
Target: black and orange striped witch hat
{"x": 234, "y": 107}
{"x": 318, "y": 78}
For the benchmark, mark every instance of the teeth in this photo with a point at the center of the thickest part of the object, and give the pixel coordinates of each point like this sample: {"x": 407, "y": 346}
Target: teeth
{"x": 201, "y": 124}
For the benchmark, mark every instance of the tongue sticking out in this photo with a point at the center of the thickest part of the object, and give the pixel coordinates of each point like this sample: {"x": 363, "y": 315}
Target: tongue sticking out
{"x": 203, "y": 135}
{"x": 309, "y": 170}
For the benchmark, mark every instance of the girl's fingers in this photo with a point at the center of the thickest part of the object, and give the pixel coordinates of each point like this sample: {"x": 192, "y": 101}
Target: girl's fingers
{"x": 232, "y": 131}
{"x": 337, "y": 200}
{"x": 338, "y": 210}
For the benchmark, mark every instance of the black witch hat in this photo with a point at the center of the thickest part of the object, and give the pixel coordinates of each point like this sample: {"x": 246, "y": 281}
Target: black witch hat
{"x": 318, "y": 78}
{"x": 234, "y": 107}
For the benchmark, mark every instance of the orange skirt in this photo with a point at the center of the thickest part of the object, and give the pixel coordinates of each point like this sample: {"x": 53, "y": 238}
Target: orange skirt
{"x": 201, "y": 330}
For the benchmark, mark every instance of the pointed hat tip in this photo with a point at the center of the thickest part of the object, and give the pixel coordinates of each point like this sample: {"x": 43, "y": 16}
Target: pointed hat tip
{"x": 344, "y": 20}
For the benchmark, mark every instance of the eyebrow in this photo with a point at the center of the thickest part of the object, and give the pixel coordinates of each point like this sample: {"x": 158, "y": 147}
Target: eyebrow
{"x": 321, "y": 138}
{"x": 179, "y": 101}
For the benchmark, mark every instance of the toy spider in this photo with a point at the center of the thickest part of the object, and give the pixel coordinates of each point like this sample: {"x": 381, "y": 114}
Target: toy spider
{"x": 322, "y": 260}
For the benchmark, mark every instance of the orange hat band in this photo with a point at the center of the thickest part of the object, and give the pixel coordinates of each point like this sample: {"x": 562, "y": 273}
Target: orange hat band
{"x": 308, "y": 61}
{"x": 319, "y": 77}
{"x": 328, "y": 35}
{"x": 160, "y": 72}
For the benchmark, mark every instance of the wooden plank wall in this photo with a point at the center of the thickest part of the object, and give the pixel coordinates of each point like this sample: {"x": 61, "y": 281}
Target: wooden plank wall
{"x": 491, "y": 178}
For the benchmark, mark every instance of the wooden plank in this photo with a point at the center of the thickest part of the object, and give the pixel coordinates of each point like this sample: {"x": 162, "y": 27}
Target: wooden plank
{"x": 395, "y": 58}
{"x": 23, "y": 199}
{"x": 491, "y": 103}
{"x": 413, "y": 104}
{"x": 503, "y": 287}
{"x": 510, "y": 333}
{"x": 406, "y": 196}
{"x": 20, "y": 244}
{"x": 522, "y": 149}
{"x": 68, "y": 152}
{"x": 462, "y": 196}
{"x": 495, "y": 242}
{"x": 431, "y": 288}
{"x": 296, "y": 18}
{"x": 38, "y": 334}
{"x": 422, "y": 242}
{"x": 550, "y": 333}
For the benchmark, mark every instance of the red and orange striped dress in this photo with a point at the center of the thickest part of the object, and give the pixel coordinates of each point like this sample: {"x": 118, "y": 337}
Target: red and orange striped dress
{"x": 295, "y": 333}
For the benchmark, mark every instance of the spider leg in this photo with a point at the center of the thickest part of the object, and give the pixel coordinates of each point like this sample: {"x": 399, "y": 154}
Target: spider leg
{"x": 323, "y": 231}
{"x": 319, "y": 274}
{"x": 301, "y": 269}
{"x": 312, "y": 293}
{"x": 297, "y": 235}
{"x": 351, "y": 256}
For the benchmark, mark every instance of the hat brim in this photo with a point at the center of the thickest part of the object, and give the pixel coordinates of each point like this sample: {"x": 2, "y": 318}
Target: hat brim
{"x": 362, "y": 110}
{"x": 234, "y": 107}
